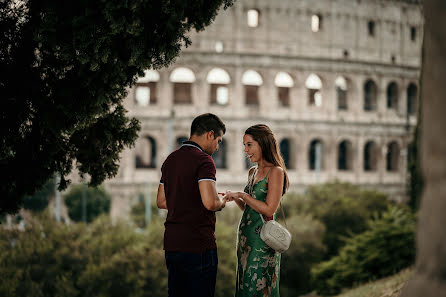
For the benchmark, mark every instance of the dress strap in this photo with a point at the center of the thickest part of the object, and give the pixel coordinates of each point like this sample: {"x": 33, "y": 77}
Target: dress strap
{"x": 268, "y": 172}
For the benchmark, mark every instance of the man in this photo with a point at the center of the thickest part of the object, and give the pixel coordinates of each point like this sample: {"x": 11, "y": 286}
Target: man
{"x": 187, "y": 191}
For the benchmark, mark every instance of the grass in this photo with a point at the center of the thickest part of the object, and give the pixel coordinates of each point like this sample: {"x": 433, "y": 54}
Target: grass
{"x": 387, "y": 287}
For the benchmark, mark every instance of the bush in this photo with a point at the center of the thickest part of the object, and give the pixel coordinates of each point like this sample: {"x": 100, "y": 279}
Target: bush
{"x": 387, "y": 247}
{"x": 306, "y": 249}
{"x": 138, "y": 211}
{"x": 97, "y": 202}
{"x": 39, "y": 201}
{"x": 343, "y": 208}
{"x": 44, "y": 260}
{"x": 100, "y": 259}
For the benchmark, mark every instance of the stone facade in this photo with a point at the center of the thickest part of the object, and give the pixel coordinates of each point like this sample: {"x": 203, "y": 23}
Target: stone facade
{"x": 339, "y": 75}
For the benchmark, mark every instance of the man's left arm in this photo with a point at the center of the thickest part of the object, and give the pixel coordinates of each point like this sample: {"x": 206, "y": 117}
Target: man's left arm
{"x": 161, "y": 197}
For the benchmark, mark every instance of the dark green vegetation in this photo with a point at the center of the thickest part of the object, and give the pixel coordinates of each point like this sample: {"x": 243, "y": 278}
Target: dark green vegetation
{"x": 65, "y": 67}
{"x": 342, "y": 236}
{"x": 97, "y": 202}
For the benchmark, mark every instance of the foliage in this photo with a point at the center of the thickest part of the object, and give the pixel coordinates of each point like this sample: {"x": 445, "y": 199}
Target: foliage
{"x": 72, "y": 63}
{"x": 306, "y": 249}
{"x": 100, "y": 259}
{"x": 97, "y": 202}
{"x": 343, "y": 208}
{"x": 385, "y": 248}
{"x": 138, "y": 211}
{"x": 39, "y": 201}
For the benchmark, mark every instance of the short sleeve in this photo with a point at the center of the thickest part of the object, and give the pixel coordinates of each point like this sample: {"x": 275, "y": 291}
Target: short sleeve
{"x": 162, "y": 175}
{"x": 207, "y": 170}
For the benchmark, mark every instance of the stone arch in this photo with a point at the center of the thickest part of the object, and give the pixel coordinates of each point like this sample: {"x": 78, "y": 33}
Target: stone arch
{"x": 314, "y": 85}
{"x": 220, "y": 156}
{"x": 341, "y": 85}
{"x": 370, "y": 95}
{"x": 218, "y": 80}
{"x": 145, "y": 152}
{"x": 345, "y": 155}
{"x": 252, "y": 81}
{"x": 392, "y": 95}
{"x": 412, "y": 99}
{"x": 283, "y": 82}
{"x": 182, "y": 79}
{"x": 371, "y": 156}
{"x": 288, "y": 153}
{"x": 146, "y": 88}
{"x": 392, "y": 156}
{"x": 316, "y": 155}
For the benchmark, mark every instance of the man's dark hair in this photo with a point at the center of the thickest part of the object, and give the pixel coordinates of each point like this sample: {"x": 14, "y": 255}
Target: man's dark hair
{"x": 207, "y": 122}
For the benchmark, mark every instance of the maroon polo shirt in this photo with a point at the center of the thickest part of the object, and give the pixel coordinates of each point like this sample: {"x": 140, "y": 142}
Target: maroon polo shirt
{"x": 189, "y": 226}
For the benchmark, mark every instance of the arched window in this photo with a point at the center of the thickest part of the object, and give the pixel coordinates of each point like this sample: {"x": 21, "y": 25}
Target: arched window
{"x": 341, "y": 93}
{"x": 371, "y": 28}
{"x": 219, "y": 80}
{"x": 253, "y": 18}
{"x": 287, "y": 153}
{"x": 315, "y": 155}
{"x": 283, "y": 82}
{"x": 392, "y": 156}
{"x": 145, "y": 88}
{"x": 412, "y": 101}
{"x": 345, "y": 155}
{"x": 370, "y": 156}
{"x": 314, "y": 85}
{"x": 252, "y": 81}
{"x": 316, "y": 22}
{"x": 392, "y": 96}
{"x": 220, "y": 155}
{"x": 145, "y": 152}
{"x": 370, "y": 94}
{"x": 180, "y": 141}
{"x": 182, "y": 79}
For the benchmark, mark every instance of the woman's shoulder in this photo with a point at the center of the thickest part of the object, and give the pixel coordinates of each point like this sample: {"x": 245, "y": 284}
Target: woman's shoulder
{"x": 276, "y": 171}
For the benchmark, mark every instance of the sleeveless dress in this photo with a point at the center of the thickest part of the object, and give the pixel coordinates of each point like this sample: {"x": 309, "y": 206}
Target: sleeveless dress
{"x": 258, "y": 265}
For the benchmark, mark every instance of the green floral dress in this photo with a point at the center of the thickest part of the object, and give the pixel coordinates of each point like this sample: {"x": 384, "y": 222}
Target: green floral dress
{"x": 258, "y": 265}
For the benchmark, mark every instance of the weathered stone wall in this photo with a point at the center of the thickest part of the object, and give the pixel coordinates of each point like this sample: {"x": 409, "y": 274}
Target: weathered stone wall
{"x": 284, "y": 41}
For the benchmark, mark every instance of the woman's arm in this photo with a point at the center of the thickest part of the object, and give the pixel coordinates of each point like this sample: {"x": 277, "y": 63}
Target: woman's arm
{"x": 275, "y": 188}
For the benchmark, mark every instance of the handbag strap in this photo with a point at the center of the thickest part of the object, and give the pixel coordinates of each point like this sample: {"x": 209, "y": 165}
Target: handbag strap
{"x": 283, "y": 214}
{"x": 251, "y": 188}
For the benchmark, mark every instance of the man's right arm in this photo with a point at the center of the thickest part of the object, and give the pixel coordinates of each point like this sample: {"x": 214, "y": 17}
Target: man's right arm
{"x": 161, "y": 201}
{"x": 209, "y": 196}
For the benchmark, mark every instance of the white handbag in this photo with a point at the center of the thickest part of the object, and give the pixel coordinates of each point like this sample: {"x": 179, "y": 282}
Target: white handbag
{"x": 275, "y": 235}
{"x": 272, "y": 233}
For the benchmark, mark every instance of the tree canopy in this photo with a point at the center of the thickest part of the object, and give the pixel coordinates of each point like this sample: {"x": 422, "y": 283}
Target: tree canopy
{"x": 65, "y": 67}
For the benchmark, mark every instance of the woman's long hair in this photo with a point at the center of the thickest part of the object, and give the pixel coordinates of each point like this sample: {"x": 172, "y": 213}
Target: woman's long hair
{"x": 270, "y": 149}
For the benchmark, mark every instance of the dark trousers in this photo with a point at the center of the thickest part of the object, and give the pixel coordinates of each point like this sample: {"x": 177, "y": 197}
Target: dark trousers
{"x": 191, "y": 274}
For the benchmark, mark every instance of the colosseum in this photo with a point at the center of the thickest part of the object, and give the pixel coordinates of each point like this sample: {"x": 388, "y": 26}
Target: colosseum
{"x": 336, "y": 80}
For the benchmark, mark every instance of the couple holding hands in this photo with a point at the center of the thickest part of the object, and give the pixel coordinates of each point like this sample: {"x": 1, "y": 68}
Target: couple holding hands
{"x": 187, "y": 190}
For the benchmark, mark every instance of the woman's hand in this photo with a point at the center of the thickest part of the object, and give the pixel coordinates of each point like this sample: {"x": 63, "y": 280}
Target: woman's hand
{"x": 230, "y": 196}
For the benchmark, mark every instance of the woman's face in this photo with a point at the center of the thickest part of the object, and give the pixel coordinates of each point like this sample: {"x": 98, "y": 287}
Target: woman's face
{"x": 252, "y": 148}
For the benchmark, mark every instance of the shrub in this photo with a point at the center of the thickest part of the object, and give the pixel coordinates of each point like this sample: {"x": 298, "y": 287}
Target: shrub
{"x": 39, "y": 201}
{"x": 100, "y": 259}
{"x": 97, "y": 202}
{"x": 343, "y": 209}
{"x": 387, "y": 247}
{"x": 306, "y": 249}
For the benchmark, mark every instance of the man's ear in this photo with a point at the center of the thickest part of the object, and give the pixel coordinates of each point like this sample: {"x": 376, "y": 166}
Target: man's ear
{"x": 210, "y": 135}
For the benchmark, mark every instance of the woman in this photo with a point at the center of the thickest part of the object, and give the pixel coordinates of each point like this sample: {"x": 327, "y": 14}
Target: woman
{"x": 258, "y": 268}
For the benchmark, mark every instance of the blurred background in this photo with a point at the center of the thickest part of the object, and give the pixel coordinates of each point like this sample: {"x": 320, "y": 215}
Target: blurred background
{"x": 338, "y": 84}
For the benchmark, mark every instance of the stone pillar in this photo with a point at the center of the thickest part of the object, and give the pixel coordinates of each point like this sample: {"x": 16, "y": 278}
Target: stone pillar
{"x": 430, "y": 275}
